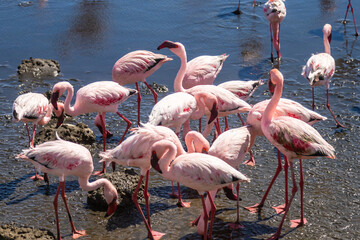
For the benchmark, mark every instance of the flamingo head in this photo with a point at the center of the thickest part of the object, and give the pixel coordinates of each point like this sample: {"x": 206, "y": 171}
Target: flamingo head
{"x": 176, "y": 47}
{"x": 155, "y": 162}
{"x": 58, "y": 90}
{"x": 327, "y": 31}
{"x": 276, "y": 76}
{"x": 111, "y": 196}
{"x": 59, "y": 112}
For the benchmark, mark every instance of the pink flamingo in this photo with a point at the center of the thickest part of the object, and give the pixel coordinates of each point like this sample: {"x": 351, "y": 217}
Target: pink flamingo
{"x": 203, "y": 70}
{"x": 285, "y": 107}
{"x": 237, "y": 11}
{"x": 352, "y": 11}
{"x": 295, "y": 139}
{"x": 243, "y": 90}
{"x": 231, "y": 146}
{"x": 33, "y": 108}
{"x": 198, "y": 171}
{"x": 137, "y": 66}
{"x": 135, "y": 152}
{"x": 320, "y": 68}
{"x": 228, "y": 103}
{"x": 275, "y": 12}
{"x": 177, "y": 108}
{"x": 101, "y": 97}
{"x": 62, "y": 158}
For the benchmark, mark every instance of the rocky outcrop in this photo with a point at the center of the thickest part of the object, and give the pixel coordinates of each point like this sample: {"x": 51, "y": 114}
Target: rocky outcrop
{"x": 38, "y": 68}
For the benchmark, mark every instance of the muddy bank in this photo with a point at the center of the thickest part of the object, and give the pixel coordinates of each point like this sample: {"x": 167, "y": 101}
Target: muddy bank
{"x": 13, "y": 232}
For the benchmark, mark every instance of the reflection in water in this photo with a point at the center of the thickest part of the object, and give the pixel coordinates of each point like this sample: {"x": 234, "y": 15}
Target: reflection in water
{"x": 87, "y": 27}
{"x": 327, "y": 6}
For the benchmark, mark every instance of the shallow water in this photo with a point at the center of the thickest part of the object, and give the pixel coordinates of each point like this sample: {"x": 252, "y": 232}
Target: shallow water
{"x": 87, "y": 37}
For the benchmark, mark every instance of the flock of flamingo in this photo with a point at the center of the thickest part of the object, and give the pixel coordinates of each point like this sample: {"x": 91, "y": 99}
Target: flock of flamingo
{"x": 285, "y": 123}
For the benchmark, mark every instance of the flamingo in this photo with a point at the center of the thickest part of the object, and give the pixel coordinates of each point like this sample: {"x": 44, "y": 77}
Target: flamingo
{"x": 231, "y": 146}
{"x": 352, "y": 11}
{"x": 285, "y": 107}
{"x": 198, "y": 171}
{"x": 101, "y": 97}
{"x": 62, "y": 158}
{"x": 242, "y": 89}
{"x": 135, "y": 151}
{"x": 137, "y": 66}
{"x": 275, "y": 12}
{"x": 33, "y": 108}
{"x": 293, "y": 138}
{"x": 177, "y": 108}
{"x": 320, "y": 68}
{"x": 203, "y": 70}
{"x": 228, "y": 103}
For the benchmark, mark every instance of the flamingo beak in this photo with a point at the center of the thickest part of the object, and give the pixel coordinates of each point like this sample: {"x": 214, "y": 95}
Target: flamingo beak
{"x": 271, "y": 87}
{"x": 204, "y": 151}
{"x": 329, "y": 37}
{"x": 213, "y": 113}
{"x": 167, "y": 44}
{"x": 111, "y": 208}
{"x": 54, "y": 99}
{"x": 60, "y": 119}
{"x": 155, "y": 162}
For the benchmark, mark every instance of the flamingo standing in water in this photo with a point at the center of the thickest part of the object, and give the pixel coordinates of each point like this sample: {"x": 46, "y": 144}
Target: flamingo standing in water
{"x": 137, "y": 66}
{"x": 135, "y": 152}
{"x": 237, "y": 11}
{"x": 63, "y": 158}
{"x": 275, "y": 12}
{"x": 320, "y": 68}
{"x": 295, "y": 139}
{"x": 231, "y": 146}
{"x": 34, "y": 108}
{"x": 101, "y": 97}
{"x": 198, "y": 171}
{"x": 228, "y": 103}
{"x": 285, "y": 107}
{"x": 176, "y": 109}
{"x": 352, "y": 11}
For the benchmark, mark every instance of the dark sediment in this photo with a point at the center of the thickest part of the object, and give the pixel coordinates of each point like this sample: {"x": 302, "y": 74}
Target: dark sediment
{"x": 13, "y": 232}
{"x": 38, "y": 68}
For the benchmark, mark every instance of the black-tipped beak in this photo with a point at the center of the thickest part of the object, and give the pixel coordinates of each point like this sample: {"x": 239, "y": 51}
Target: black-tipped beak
{"x": 271, "y": 87}
{"x": 329, "y": 38}
{"x": 155, "y": 162}
{"x": 213, "y": 113}
{"x": 54, "y": 99}
{"x": 60, "y": 119}
{"x": 204, "y": 151}
{"x": 167, "y": 44}
{"x": 111, "y": 208}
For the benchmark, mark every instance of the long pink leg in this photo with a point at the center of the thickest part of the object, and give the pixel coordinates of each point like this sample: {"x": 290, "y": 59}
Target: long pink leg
{"x": 139, "y": 101}
{"x": 352, "y": 11}
{"x": 237, "y": 224}
{"x": 200, "y": 125}
{"x": 242, "y": 121}
{"x": 102, "y": 121}
{"x": 328, "y": 106}
{"x": 33, "y": 136}
{"x": 173, "y": 194}
{"x": 76, "y": 233}
{"x": 276, "y": 37}
{"x": 294, "y": 190}
{"x": 213, "y": 209}
{"x": 153, "y": 92}
{"x": 226, "y": 124}
{"x": 36, "y": 177}
{"x": 251, "y": 160}
{"x": 127, "y": 127}
{"x": 55, "y": 202}
{"x": 313, "y": 97}
{"x": 302, "y": 221}
{"x": 237, "y": 11}
{"x": 271, "y": 36}
{"x": 206, "y": 216}
{"x": 180, "y": 202}
{"x": 281, "y": 208}
{"x": 257, "y": 207}
{"x": 151, "y": 234}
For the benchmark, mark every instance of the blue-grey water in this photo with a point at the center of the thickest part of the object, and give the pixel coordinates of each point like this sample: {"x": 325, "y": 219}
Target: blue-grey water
{"x": 87, "y": 37}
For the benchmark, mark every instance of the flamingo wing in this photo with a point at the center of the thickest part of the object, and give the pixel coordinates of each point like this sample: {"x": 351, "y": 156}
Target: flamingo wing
{"x": 319, "y": 69}
{"x": 30, "y": 107}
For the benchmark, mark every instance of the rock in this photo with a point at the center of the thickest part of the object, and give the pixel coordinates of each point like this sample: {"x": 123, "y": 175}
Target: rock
{"x": 125, "y": 181}
{"x": 11, "y": 232}
{"x": 159, "y": 88}
{"x": 38, "y": 68}
{"x": 79, "y": 133}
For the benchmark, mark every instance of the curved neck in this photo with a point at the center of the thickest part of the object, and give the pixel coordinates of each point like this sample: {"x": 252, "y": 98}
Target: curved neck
{"x": 166, "y": 151}
{"x": 200, "y": 110}
{"x": 70, "y": 109}
{"x": 196, "y": 142}
{"x": 181, "y": 73}
{"x": 271, "y": 107}
{"x": 90, "y": 186}
{"x": 327, "y": 44}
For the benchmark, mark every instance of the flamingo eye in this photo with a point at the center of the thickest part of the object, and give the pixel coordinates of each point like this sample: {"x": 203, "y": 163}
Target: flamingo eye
{"x": 204, "y": 150}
